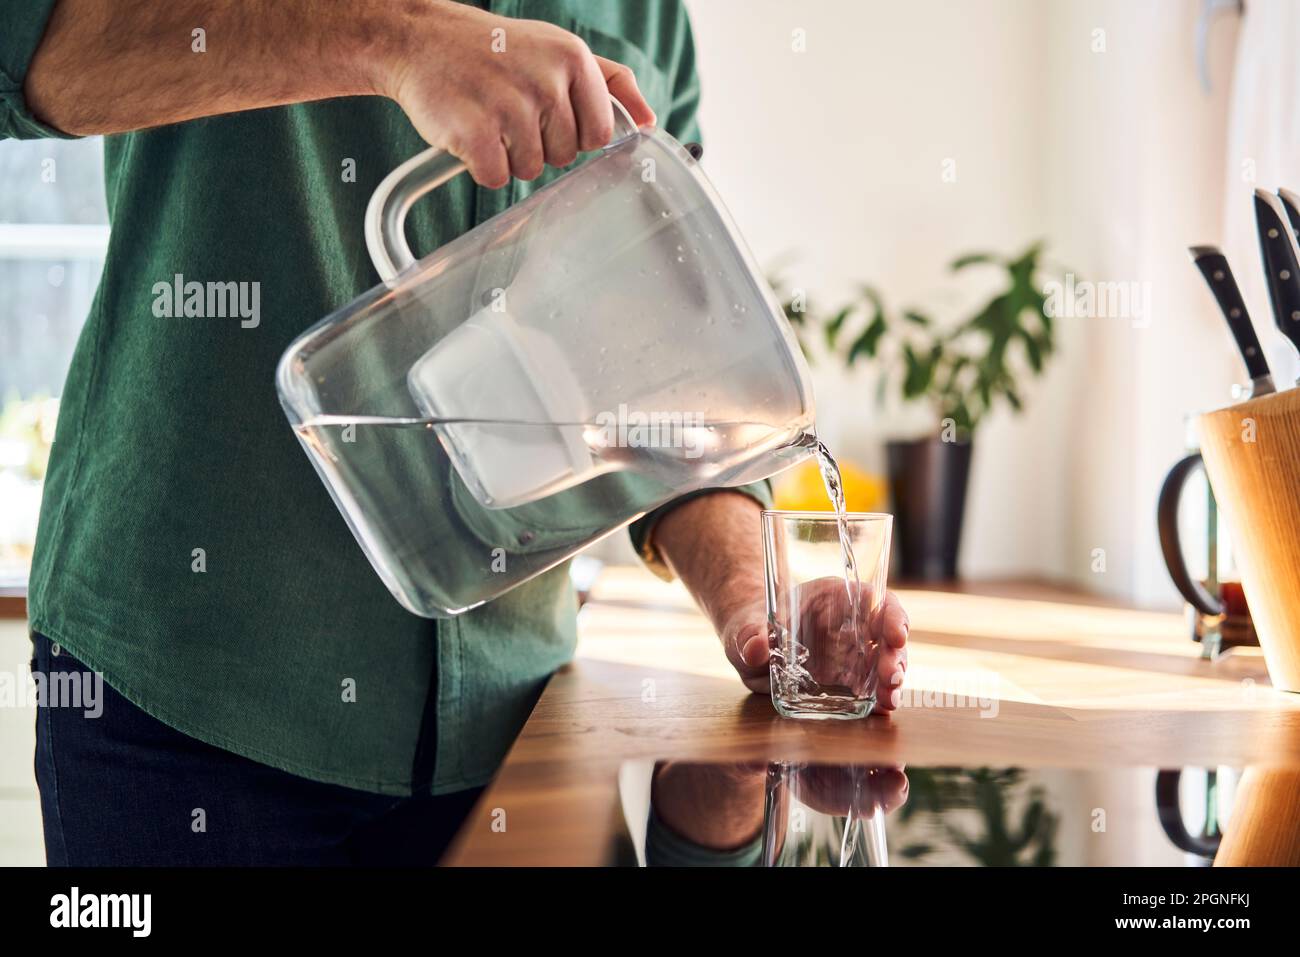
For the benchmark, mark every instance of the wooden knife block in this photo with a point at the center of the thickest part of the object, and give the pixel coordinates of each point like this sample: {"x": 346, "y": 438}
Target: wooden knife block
{"x": 1252, "y": 456}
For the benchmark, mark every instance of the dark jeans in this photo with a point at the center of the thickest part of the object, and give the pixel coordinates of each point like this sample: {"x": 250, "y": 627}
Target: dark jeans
{"x": 122, "y": 788}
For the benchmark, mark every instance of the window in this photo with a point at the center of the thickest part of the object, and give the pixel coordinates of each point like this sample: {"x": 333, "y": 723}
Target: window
{"x": 53, "y": 233}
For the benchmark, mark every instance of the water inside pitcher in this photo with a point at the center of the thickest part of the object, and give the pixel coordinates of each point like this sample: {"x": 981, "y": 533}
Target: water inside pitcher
{"x": 597, "y": 350}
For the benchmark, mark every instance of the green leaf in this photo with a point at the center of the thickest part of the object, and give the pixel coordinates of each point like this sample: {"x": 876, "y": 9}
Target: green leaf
{"x": 1028, "y": 260}
{"x": 870, "y": 294}
{"x": 867, "y": 343}
{"x": 964, "y": 370}
{"x": 919, "y": 374}
{"x": 961, "y": 416}
{"x": 803, "y": 347}
{"x": 1030, "y": 824}
{"x": 835, "y": 324}
{"x": 1034, "y": 353}
{"x": 973, "y": 259}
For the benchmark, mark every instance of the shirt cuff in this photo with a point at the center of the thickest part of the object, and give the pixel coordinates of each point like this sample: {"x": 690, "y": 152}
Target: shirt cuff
{"x": 666, "y": 848}
{"x": 22, "y": 26}
{"x": 642, "y": 530}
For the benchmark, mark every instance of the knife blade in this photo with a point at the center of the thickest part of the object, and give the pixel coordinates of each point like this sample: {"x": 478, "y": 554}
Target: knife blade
{"x": 1218, "y": 276}
{"x": 1289, "y": 322}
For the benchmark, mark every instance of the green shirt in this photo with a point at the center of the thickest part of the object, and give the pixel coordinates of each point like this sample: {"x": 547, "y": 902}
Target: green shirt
{"x": 287, "y": 648}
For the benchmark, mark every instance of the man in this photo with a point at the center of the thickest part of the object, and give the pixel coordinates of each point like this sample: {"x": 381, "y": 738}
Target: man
{"x": 268, "y": 701}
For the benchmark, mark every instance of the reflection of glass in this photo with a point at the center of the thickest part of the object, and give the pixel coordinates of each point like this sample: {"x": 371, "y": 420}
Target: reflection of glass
{"x": 823, "y": 629}
{"x": 826, "y": 815}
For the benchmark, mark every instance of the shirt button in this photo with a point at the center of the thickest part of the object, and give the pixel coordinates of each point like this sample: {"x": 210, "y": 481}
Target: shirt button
{"x": 526, "y": 537}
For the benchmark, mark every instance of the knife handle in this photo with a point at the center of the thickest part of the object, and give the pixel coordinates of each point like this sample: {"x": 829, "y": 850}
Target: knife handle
{"x": 1291, "y": 203}
{"x": 1218, "y": 276}
{"x": 1288, "y": 321}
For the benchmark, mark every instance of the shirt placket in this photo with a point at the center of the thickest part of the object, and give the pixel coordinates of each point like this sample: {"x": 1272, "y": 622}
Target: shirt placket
{"x": 448, "y": 759}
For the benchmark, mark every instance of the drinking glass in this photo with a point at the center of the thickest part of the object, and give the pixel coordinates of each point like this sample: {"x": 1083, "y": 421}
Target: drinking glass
{"x": 824, "y": 649}
{"x": 826, "y": 816}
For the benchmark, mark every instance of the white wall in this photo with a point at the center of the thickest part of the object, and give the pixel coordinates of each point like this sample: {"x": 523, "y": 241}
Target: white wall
{"x": 835, "y": 155}
{"x": 1116, "y": 158}
{"x": 1135, "y": 153}
{"x": 1263, "y": 151}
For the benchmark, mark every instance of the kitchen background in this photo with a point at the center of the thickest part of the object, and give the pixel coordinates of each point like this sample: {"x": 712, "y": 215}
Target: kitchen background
{"x": 874, "y": 142}
{"x": 1102, "y": 143}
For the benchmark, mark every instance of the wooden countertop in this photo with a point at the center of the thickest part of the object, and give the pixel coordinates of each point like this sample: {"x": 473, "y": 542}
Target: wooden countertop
{"x": 1004, "y": 674}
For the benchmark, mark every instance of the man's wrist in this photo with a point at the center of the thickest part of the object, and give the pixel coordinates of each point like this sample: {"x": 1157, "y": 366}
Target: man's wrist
{"x": 373, "y": 50}
{"x": 395, "y": 37}
{"x": 713, "y": 544}
{"x": 736, "y": 602}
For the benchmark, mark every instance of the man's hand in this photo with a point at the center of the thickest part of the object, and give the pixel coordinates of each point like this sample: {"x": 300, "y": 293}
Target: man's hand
{"x": 713, "y": 544}
{"x": 503, "y": 95}
{"x": 506, "y": 96}
{"x": 722, "y": 806}
{"x": 824, "y": 610}
{"x": 843, "y": 789}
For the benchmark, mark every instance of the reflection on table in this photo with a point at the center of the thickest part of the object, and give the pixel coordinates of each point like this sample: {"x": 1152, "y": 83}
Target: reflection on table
{"x": 793, "y": 814}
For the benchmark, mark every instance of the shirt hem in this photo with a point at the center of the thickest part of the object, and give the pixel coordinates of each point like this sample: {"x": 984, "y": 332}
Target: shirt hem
{"x": 123, "y": 687}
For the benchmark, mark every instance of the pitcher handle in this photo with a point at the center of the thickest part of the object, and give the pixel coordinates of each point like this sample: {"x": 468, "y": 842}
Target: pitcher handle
{"x": 1171, "y": 817}
{"x": 393, "y": 199}
{"x": 1170, "y": 546}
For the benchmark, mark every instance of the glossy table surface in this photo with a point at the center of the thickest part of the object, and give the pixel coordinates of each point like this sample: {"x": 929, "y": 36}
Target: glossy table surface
{"x": 1002, "y": 675}
{"x": 796, "y": 814}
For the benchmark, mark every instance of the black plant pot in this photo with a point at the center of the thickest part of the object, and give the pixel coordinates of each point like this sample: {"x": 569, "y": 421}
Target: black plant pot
{"x": 927, "y": 481}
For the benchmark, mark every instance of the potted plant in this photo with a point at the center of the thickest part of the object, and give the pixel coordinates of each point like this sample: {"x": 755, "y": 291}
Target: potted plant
{"x": 994, "y": 794}
{"x": 962, "y": 372}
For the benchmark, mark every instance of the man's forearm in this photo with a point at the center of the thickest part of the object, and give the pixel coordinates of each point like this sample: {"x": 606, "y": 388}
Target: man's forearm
{"x": 110, "y": 67}
{"x": 713, "y": 544}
